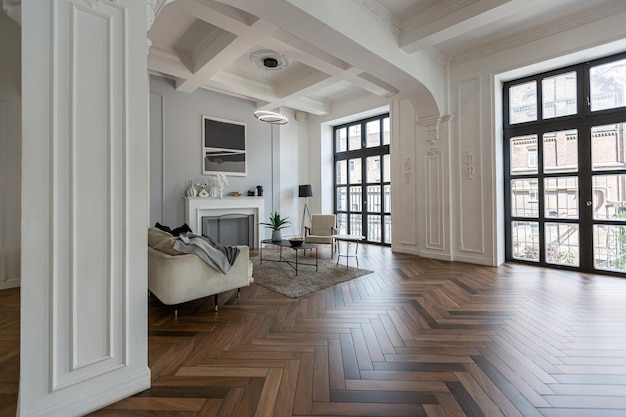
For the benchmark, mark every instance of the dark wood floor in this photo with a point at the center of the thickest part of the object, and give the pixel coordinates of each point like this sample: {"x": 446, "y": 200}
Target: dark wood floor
{"x": 415, "y": 338}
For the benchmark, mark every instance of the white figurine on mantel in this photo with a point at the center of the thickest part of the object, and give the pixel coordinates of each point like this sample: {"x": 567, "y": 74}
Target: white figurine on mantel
{"x": 218, "y": 183}
{"x": 203, "y": 190}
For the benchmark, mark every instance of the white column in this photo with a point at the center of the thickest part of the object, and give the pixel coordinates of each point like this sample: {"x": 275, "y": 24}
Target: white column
{"x": 84, "y": 205}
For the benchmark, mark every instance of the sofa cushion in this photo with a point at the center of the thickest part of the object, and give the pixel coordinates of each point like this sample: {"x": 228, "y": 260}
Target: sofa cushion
{"x": 162, "y": 241}
{"x": 175, "y": 231}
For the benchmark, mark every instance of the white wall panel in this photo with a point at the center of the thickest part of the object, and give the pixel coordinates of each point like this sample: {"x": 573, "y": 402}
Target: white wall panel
{"x": 88, "y": 151}
{"x": 85, "y": 264}
{"x": 10, "y": 153}
{"x": 471, "y": 198}
{"x": 405, "y": 227}
{"x": 434, "y": 186}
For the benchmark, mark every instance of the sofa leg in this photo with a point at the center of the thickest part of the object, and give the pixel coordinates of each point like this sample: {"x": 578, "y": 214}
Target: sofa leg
{"x": 238, "y": 292}
{"x": 216, "y": 306}
{"x": 176, "y": 312}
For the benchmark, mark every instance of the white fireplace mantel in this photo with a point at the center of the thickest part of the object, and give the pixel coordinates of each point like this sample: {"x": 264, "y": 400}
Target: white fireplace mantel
{"x": 198, "y": 207}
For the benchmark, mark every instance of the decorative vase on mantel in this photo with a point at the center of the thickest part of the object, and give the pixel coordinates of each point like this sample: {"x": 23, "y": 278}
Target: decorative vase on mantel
{"x": 277, "y": 236}
{"x": 203, "y": 193}
{"x": 191, "y": 191}
{"x": 217, "y": 192}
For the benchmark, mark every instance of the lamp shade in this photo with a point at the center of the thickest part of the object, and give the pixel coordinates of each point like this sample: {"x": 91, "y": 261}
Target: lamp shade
{"x": 305, "y": 191}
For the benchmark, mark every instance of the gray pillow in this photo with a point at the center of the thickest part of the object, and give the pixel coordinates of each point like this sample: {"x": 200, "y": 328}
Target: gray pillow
{"x": 162, "y": 241}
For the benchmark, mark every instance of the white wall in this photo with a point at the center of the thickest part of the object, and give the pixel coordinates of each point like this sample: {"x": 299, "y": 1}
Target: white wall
{"x": 176, "y": 154}
{"x": 10, "y": 152}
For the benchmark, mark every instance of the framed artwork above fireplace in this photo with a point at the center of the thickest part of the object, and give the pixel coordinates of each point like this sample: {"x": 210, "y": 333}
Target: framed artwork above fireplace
{"x": 224, "y": 146}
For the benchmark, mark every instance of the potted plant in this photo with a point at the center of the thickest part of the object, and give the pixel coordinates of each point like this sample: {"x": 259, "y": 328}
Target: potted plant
{"x": 277, "y": 223}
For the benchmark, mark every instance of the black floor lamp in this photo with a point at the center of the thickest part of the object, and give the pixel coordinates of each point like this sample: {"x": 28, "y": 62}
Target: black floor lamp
{"x": 305, "y": 191}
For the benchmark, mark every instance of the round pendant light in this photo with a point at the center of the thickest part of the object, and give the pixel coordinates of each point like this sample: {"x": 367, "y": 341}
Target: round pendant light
{"x": 271, "y": 117}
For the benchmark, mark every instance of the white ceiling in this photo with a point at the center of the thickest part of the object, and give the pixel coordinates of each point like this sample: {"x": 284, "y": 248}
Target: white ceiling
{"x": 337, "y": 49}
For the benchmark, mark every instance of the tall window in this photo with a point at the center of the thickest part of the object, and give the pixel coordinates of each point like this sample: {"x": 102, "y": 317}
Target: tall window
{"x": 363, "y": 179}
{"x": 565, "y": 167}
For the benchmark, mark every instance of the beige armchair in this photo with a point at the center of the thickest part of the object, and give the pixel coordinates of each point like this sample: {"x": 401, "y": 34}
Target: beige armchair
{"x": 323, "y": 227}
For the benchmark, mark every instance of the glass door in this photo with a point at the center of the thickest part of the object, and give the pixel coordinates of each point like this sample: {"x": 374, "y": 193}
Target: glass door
{"x": 565, "y": 159}
{"x": 363, "y": 179}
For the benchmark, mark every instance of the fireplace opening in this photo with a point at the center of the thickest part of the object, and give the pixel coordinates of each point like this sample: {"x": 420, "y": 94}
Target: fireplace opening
{"x": 230, "y": 229}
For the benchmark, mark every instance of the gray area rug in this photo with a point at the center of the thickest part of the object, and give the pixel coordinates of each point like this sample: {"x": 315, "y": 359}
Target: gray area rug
{"x": 280, "y": 277}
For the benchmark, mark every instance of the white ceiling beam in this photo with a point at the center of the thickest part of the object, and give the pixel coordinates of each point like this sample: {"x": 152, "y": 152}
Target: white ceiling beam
{"x": 303, "y": 85}
{"x": 264, "y": 95}
{"x": 167, "y": 62}
{"x": 208, "y": 61}
{"x": 341, "y": 71}
{"x": 306, "y": 53}
{"x": 218, "y": 14}
{"x": 436, "y": 25}
{"x": 304, "y": 103}
{"x": 374, "y": 85}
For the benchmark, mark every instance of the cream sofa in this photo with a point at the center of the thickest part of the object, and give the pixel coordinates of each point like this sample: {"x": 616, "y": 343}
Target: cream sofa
{"x": 176, "y": 278}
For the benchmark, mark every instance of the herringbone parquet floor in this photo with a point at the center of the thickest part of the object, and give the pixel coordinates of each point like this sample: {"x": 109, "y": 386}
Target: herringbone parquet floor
{"x": 415, "y": 338}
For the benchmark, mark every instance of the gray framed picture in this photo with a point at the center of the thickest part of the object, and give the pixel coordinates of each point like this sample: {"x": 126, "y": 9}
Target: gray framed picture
{"x": 223, "y": 146}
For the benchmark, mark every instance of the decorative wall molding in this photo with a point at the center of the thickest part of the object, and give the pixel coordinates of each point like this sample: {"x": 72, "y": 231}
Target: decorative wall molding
{"x": 431, "y": 125}
{"x": 406, "y": 170}
{"x": 87, "y": 170}
{"x": 153, "y": 8}
{"x": 434, "y": 189}
{"x": 480, "y": 251}
{"x": 471, "y": 215}
{"x": 468, "y": 162}
{"x": 433, "y": 152}
{"x": 381, "y": 14}
{"x": 561, "y": 25}
{"x": 436, "y": 55}
{"x": 87, "y": 264}
{"x": 405, "y": 202}
{"x": 441, "y": 9}
{"x": 93, "y": 3}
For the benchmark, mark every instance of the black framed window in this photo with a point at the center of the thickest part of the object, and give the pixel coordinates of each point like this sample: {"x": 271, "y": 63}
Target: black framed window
{"x": 565, "y": 167}
{"x": 363, "y": 178}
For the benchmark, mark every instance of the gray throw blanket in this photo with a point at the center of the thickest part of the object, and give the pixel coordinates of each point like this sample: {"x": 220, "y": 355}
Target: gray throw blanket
{"x": 215, "y": 255}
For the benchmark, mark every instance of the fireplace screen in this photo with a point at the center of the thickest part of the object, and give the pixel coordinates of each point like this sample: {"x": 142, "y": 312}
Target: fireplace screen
{"x": 230, "y": 229}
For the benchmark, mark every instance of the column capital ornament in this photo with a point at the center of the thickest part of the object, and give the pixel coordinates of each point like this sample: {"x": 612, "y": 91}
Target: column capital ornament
{"x": 153, "y": 7}
{"x": 431, "y": 124}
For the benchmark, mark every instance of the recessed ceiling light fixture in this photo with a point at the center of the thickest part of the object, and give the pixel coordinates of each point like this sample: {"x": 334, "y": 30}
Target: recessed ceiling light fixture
{"x": 271, "y": 61}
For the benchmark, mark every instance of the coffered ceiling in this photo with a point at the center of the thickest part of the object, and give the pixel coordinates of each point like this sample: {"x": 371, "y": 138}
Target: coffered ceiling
{"x": 330, "y": 50}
